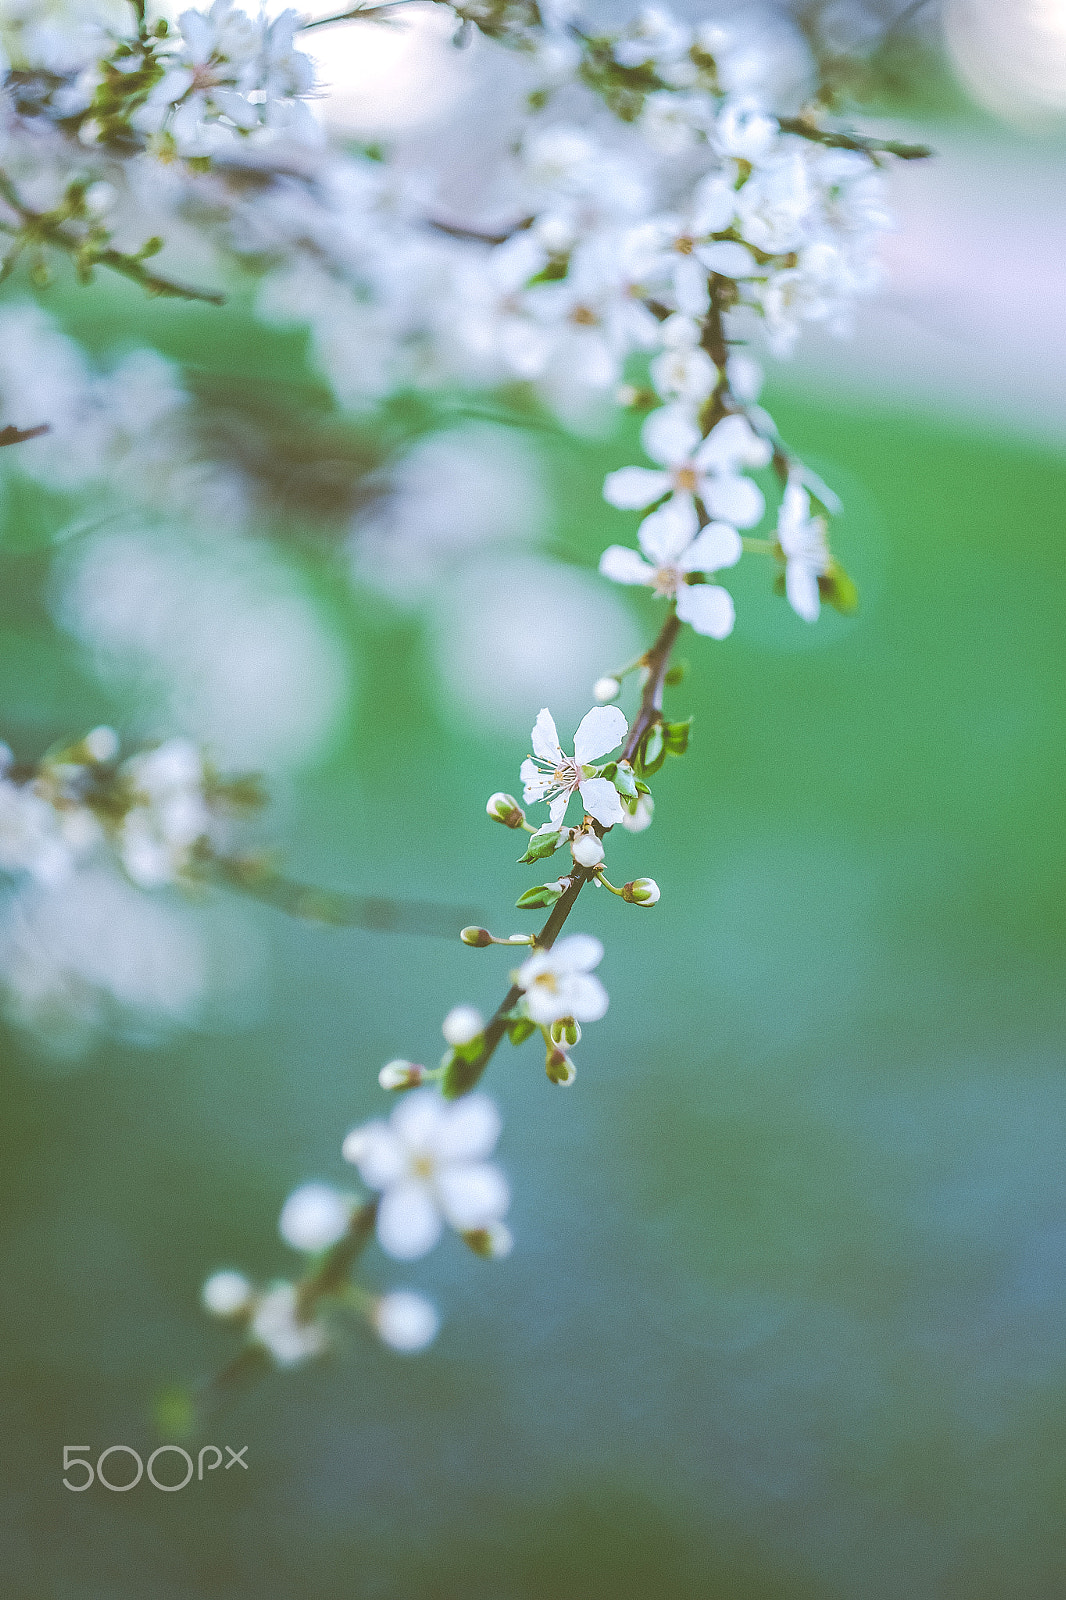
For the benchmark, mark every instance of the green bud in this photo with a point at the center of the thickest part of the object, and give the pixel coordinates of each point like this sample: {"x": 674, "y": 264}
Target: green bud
{"x": 641, "y": 892}
{"x": 838, "y": 590}
{"x": 505, "y": 808}
{"x": 493, "y": 1242}
{"x": 624, "y": 780}
{"x": 150, "y": 247}
{"x": 675, "y": 674}
{"x": 560, "y": 1068}
{"x": 565, "y": 1032}
{"x": 542, "y": 844}
{"x": 478, "y": 937}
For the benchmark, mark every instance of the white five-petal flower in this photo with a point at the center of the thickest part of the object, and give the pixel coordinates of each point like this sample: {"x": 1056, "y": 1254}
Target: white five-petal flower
{"x": 552, "y": 776}
{"x": 559, "y": 982}
{"x": 691, "y": 467}
{"x": 672, "y": 555}
{"x": 430, "y": 1163}
{"x": 802, "y": 539}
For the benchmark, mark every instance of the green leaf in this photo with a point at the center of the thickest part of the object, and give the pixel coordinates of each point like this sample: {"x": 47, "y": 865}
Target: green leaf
{"x": 838, "y": 590}
{"x": 541, "y": 845}
{"x": 675, "y": 736}
{"x": 538, "y": 899}
{"x": 521, "y": 1029}
{"x": 624, "y": 780}
{"x": 652, "y": 752}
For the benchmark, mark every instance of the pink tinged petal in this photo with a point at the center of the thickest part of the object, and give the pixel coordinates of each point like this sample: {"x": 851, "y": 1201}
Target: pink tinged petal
{"x": 633, "y": 488}
{"x": 707, "y": 608}
{"x": 408, "y": 1222}
{"x": 735, "y": 500}
{"x": 719, "y": 545}
{"x": 666, "y": 533}
{"x": 468, "y": 1130}
{"x": 670, "y": 435}
{"x": 473, "y": 1196}
{"x": 801, "y": 587}
{"x": 557, "y": 809}
{"x": 546, "y": 739}
{"x": 598, "y": 731}
{"x": 578, "y": 952}
{"x": 728, "y": 258}
{"x": 378, "y": 1154}
{"x": 625, "y": 566}
{"x": 690, "y": 286}
{"x": 583, "y": 997}
{"x": 600, "y": 799}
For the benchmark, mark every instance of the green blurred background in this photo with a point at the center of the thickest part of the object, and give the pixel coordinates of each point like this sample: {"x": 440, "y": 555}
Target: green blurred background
{"x": 787, "y": 1310}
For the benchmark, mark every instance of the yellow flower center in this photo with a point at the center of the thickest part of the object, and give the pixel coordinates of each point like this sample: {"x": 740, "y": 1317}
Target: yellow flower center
{"x": 685, "y": 480}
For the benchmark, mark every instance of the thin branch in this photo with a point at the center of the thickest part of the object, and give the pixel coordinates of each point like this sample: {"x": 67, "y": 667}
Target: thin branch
{"x": 463, "y": 1075}
{"x": 377, "y": 913}
{"x": 806, "y": 129}
{"x": 13, "y": 435}
{"x": 359, "y": 13}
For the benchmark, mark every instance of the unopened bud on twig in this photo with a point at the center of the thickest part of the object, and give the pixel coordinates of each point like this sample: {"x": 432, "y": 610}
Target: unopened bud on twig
{"x": 493, "y": 1242}
{"x": 478, "y": 937}
{"x": 565, "y": 1031}
{"x": 401, "y": 1075}
{"x": 587, "y": 850}
{"x": 606, "y": 689}
{"x": 462, "y": 1026}
{"x": 641, "y": 892}
{"x": 227, "y": 1294}
{"x": 560, "y": 1068}
{"x": 505, "y": 808}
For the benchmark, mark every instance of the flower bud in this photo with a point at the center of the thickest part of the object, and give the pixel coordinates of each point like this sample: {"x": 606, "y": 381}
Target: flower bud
{"x": 636, "y": 821}
{"x": 314, "y": 1217}
{"x": 505, "y": 808}
{"x": 605, "y": 690}
{"x": 462, "y": 1026}
{"x": 478, "y": 937}
{"x": 560, "y": 1068}
{"x": 401, "y": 1075}
{"x": 565, "y": 1031}
{"x": 641, "y": 892}
{"x": 405, "y": 1321}
{"x": 494, "y": 1241}
{"x": 101, "y": 744}
{"x": 587, "y": 850}
{"x": 226, "y": 1294}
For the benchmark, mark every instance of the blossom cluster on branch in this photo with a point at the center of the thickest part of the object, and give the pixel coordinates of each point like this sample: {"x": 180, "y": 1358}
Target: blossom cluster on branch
{"x": 663, "y": 216}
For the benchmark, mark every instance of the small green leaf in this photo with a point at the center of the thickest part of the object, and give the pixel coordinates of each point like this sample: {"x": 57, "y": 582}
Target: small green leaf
{"x": 538, "y": 899}
{"x": 624, "y": 780}
{"x": 675, "y": 674}
{"x": 541, "y": 845}
{"x": 675, "y": 736}
{"x": 520, "y": 1029}
{"x": 838, "y": 590}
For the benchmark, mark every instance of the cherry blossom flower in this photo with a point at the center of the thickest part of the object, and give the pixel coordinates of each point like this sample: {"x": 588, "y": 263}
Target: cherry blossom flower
{"x": 802, "y": 540}
{"x": 430, "y": 1163}
{"x": 552, "y": 776}
{"x": 276, "y": 1326}
{"x": 559, "y": 982}
{"x": 676, "y": 249}
{"x": 672, "y": 555}
{"x": 693, "y": 467}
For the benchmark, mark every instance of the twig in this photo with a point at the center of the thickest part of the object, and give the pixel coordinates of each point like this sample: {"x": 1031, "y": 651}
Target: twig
{"x": 13, "y": 435}
{"x": 378, "y": 913}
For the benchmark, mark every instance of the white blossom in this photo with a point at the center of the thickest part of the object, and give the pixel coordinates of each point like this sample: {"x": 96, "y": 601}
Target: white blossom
{"x": 277, "y": 1327}
{"x": 802, "y": 539}
{"x": 314, "y": 1217}
{"x": 429, "y": 1161}
{"x": 693, "y": 467}
{"x": 462, "y": 1025}
{"x": 406, "y": 1321}
{"x": 226, "y": 1294}
{"x": 559, "y": 982}
{"x": 664, "y": 538}
{"x": 552, "y": 776}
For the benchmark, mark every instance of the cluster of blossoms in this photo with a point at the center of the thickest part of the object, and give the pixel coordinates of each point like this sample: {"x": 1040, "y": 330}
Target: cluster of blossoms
{"x": 661, "y": 213}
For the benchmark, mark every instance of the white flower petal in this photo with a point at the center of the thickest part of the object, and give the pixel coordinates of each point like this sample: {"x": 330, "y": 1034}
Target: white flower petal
{"x": 728, "y": 258}
{"x": 733, "y": 443}
{"x": 666, "y": 533}
{"x": 713, "y": 205}
{"x": 600, "y": 799}
{"x": 583, "y": 997}
{"x": 473, "y": 1196}
{"x": 408, "y": 1222}
{"x": 717, "y": 546}
{"x": 546, "y": 739}
{"x": 670, "y": 435}
{"x": 690, "y": 286}
{"x": 578, "y": 952}
{"x": 469, "y": 1129}
{"x": 707, "y": 608}
{"x": 377, "y": 1152}
{"x": 735, "y": 500}
{"x": 801, "y": 587}
{"x": 633, "y": 488}
{"x": 417, "y": 1119}
{"x": 625, "y": 566}
{"x": 598, "y": 731}
{"x": 557, "y": 809}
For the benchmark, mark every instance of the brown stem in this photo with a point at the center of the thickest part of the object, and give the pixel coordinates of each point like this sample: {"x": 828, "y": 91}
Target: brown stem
{"x": 463, "y": 1075}
{"x": 333, "y": 1269}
